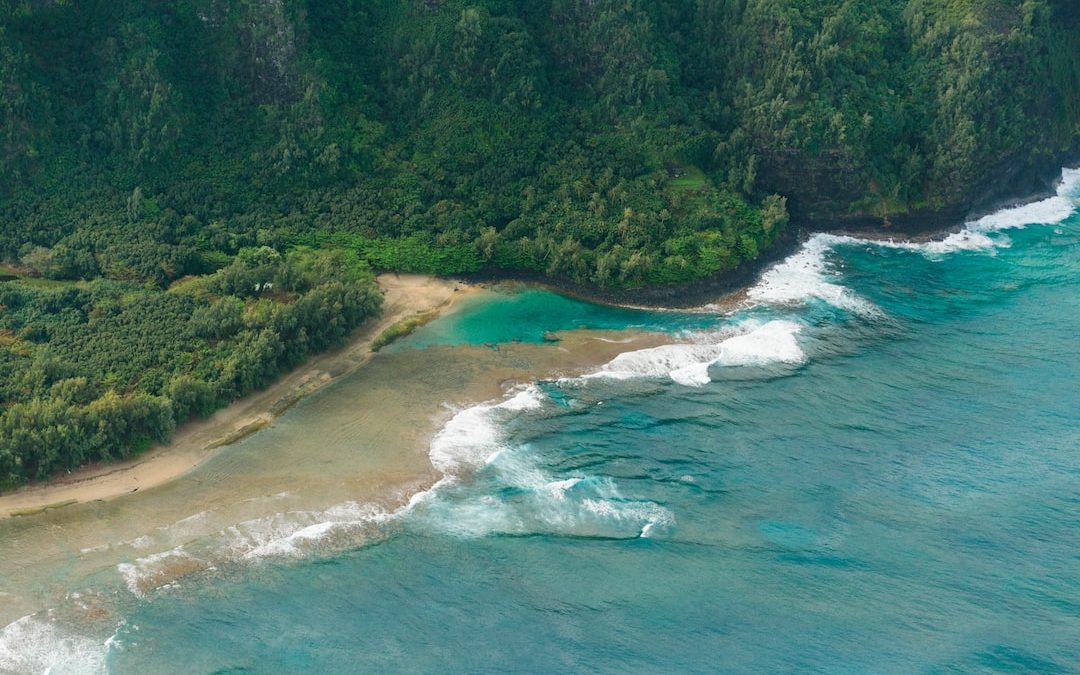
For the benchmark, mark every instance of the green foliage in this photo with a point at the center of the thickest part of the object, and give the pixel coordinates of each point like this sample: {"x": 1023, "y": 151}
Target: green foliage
{"x": 613, "y": 143}
{"x": 99, "y": 370}
{"x": 402, "y": 328}
{"x": 260, "y": 158}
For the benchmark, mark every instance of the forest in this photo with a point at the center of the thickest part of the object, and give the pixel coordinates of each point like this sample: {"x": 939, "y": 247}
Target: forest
{"x": 161, "y": 159}
{"x": 98, "y": 370}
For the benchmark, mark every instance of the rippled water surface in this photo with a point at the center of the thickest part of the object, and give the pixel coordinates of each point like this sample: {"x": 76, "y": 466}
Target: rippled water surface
{"x": 873, "y": 465}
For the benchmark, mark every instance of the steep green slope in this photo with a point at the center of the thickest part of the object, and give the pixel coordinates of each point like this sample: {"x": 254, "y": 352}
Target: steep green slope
{"x": 614, "y": 144}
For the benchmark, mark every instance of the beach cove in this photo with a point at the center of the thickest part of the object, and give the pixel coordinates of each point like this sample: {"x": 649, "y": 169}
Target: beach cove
{"x": 352, "y": 448}
{"x": 406, "y": 296}
{"x": 867, "y": 464}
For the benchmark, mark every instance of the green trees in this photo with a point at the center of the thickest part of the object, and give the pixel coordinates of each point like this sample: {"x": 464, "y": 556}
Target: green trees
{"x": 42, "y": 436}
{"x": 610, "y": 142}
{"x": 445, "y": 137}
{"x": 100, "y": 370}
{"x": 139, "y": 103}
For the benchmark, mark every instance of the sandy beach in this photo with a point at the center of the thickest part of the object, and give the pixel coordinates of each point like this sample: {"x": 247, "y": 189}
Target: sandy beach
{"x": 315, "y": 481}
{"x": 406, "y": 295}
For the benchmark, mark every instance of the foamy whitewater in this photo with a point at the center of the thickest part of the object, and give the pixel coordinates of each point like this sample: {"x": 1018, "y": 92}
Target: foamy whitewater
{"x": 868, "y": 466}
{"x": 474, "y": 444}
{"x": 753, "y": 344}
{"x": 32, "y": 645}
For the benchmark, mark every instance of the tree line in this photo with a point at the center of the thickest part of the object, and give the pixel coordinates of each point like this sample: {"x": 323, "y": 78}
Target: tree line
{"x": 195, "y": 191}
{"x": 99, "y": 370}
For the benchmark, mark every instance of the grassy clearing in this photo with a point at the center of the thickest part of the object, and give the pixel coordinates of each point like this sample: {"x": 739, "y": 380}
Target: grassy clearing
{"x": 403, "y": 328}
{"x": 8, "y": 273}
{"x": 690, "y": 180}
{"x": 191, "y": 285}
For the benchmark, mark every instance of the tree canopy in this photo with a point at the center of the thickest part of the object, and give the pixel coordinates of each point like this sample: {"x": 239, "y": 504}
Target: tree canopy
{"x": 618, "y": 143}
{"x": 278, "y": 149}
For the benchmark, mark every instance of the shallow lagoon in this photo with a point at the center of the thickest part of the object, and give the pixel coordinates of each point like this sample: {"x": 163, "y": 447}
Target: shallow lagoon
{"x": 873, "y": 469}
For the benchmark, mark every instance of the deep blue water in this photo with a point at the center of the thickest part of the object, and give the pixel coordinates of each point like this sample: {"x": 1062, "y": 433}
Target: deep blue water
{"x": 899, "y": 494}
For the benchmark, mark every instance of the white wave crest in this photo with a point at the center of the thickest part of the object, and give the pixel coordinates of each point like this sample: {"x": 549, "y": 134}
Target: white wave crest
{"x": 281, "y": 535}
{"x": 472, "y": 437}
{"x": 803, "y": 276}
{"x": 296, "y": 533}
{"x": 520, "y": 498}
{"x": 32, "y": 645}
{"x": 512, "y": 492}
{"x": 688, "y": 364}
{"x": 979, "y": 234}
{"x": 157, "y": 569}
{"x": 1045, "y": 212}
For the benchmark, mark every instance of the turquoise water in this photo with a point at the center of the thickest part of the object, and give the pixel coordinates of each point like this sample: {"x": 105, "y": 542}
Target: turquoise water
{"x": 872, "y": 467}
{"x": 530, "y": 315}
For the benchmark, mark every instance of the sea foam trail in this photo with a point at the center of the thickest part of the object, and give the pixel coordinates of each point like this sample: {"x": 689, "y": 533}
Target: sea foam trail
{"x": 804, "y": 276}
{"x": 472, "y": 437}
{"x": 688, "y": 364}
{"x": 1045, "y": 212}
{"x": 512, "y": 492}
{"x": 33, "y": 645}
{"x": 290, "y": 534}
{"x": 980, "y": 234}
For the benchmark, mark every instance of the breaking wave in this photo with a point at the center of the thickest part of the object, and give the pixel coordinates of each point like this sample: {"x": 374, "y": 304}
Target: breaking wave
{"x": 511, "y": 492}
{"x": 805, "y": 276}
{"x": 688, "y": 364}
{"x": 495, "y": 484}
{"x": 33, "y": 645}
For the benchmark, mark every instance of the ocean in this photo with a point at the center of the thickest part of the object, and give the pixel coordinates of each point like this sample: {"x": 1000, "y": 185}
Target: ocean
{"x": 869, "y": 463}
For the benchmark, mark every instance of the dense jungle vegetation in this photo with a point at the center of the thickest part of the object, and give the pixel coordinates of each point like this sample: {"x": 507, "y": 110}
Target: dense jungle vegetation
{"x": 617, "y": 143}
{"x": 98, "y": 370}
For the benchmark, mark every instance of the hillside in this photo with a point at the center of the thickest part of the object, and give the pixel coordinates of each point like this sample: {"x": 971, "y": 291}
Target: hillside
{"x": 193, "y": 193}
{"x": 612, "y": 143}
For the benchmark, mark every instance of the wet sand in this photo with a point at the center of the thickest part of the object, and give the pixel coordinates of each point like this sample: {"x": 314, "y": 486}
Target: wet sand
{"x": 195, "y": 441}
{"x": 306, "y": 485}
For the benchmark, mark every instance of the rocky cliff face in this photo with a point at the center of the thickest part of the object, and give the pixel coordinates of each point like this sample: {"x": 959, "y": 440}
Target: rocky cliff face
{"x": 821, "y": 191}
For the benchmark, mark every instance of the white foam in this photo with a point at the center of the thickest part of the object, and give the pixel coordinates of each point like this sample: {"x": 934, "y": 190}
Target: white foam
{"x": 295, "y": 534}
{"x": 980, "y": 234}
{"x": 33, "y": 645}
{"x": 803, "y": 276}
{"x": 968, "y": 239}
{"x": 157, "y": 568}
{"x": 559, "y": 488}
{"x": 688, "y": 364}
{"x": 657, "y": 361}
{"x": 772, "y": 343}
{"x": 523, "y": 499}
{"x": 141, "y": 542}
{"x": 512, "y": 492}
{"x": 1046, "y": 212}
{"x": 472, "y": 437}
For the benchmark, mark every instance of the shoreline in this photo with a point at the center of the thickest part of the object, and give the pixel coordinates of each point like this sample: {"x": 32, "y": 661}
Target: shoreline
{"x": 725, "y": 287}
{"x": 406, "y": 296}
{"x": 195, "y": 441}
